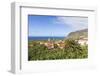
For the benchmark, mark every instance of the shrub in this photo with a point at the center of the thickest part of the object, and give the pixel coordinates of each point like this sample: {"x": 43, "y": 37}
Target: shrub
{"x": 72, "y": 50}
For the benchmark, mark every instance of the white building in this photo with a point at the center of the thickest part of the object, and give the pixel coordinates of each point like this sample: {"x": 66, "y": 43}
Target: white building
{"x": 83, "y": 41}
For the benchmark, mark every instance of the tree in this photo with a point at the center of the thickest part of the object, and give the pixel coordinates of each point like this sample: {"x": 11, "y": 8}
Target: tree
{"x": 73, "y": 49}
{"x": 55, "y": 46}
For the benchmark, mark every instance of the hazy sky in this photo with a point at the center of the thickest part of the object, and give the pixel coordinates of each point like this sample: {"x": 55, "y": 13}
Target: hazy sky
{"x": 55, "y": 25}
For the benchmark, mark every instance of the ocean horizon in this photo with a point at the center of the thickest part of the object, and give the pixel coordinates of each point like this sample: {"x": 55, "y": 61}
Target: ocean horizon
{"x": 45, "y": 37}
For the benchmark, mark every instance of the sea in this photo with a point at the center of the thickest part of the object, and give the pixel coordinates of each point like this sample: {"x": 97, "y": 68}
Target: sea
{"x": 45, "y": 38}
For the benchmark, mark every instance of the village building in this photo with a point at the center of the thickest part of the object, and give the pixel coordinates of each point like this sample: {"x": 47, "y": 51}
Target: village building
{"x": 83, "y": 41}
{"x": 41, "y": 43}
{"x": 49, "y": 45}
{"x": 61, "y": 44}
{"x": 31, "y": 45}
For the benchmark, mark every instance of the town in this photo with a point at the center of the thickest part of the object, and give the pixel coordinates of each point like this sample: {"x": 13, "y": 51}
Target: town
{"x": 50, "y": 44}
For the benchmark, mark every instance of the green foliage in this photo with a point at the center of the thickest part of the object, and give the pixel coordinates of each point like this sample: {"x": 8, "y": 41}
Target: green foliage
{"x": 75, "y": 50}
{"x": 55, "y": 46}
{"x": 72, "y": 50}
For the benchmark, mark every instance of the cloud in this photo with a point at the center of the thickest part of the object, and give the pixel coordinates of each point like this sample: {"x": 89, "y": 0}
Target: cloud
{"x": 76, "y": 23}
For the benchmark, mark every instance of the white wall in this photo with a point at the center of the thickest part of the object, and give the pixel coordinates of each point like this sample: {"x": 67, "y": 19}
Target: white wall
{"x": 5, "y": 42}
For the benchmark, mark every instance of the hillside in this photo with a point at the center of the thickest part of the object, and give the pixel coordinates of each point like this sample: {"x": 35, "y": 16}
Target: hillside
{"x": 78, "y": 34}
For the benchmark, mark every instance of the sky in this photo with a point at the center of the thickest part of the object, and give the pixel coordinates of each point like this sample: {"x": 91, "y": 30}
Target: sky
{"x": 39, "y": 25}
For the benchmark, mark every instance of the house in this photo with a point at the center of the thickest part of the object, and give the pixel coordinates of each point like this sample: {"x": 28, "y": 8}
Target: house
{"x": 41, "y": 43}
{"x": 83, "y": 41}
{"x": 49, "y": 45}
{"x": 61, "y": 44}
{"x": 31, "y": 45}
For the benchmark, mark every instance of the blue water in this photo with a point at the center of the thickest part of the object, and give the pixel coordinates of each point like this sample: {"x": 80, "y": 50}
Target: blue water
{"x": 45, "y": 38}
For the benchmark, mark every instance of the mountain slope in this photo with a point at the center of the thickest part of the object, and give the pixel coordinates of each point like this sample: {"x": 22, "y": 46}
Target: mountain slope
{"x": 78, "y": 34}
